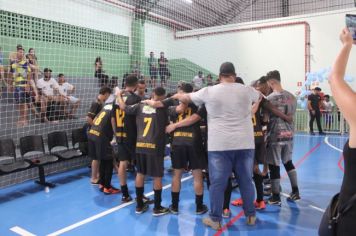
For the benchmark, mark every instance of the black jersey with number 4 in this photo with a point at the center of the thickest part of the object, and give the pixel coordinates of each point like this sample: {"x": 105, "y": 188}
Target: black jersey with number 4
{"x": 125, "y": 124}
{"x": 186, "y": 136}
{"x": 151, "y": 127}
{"x": 257, "y": 125}
{"x": 101, "y": 127}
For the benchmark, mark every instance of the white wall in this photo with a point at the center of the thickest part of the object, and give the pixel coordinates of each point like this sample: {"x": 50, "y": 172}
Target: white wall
{"x": 256, "y": 52}
{"x": 158, "y": 38}
{"x": 84, "y": 13}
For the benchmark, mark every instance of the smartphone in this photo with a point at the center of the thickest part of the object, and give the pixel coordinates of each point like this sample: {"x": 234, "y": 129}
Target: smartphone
{"x": 351, "y": 24}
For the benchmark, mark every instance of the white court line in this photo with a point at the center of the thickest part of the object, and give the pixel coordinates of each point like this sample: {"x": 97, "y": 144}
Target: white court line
{"x": 311, "y": 206}
{"x": 21, "y": 231}
{"x": 92, "y": 218}
{"x": 326, "y": 140}
{"x": 317, "y": 136}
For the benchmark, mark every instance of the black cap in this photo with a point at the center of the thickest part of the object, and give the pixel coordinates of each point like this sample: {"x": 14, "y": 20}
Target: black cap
{"x": 47, "y": 70}
{"x": 317, "y": 89}
{"x": 227, "y": 68}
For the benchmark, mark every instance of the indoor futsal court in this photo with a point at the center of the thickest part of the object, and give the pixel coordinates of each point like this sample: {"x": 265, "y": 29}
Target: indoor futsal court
{"x": 106, "y": 102}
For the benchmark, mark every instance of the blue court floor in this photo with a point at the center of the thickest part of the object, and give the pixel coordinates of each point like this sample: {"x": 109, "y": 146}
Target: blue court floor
{"x": 74, "y": 207}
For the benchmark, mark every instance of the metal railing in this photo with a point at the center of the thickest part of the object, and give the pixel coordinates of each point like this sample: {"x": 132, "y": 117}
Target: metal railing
{"x": 331, "y": 122}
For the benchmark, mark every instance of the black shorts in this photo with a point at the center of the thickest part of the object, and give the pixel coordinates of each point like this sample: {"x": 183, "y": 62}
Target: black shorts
{"x": 187, "y": 156}
{"x": 260, "y": 153}
{"x": 151, "y": 165}
{"x": 99, "y": 149}
{"x": 126, "y": 152}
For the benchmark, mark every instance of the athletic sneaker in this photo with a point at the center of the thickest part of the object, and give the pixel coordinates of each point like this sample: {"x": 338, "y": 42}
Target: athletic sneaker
{"x": 109, "y": 191}
{"x": 237, "y": 202}
{"x": 173, "y": 210}
{"x": 294, "y": 197}
{"x": 226, "y": 213}
{"x": 251, "y": 220}
{"x": 126, "y": 199}
{"x": 147, "y": 200}
{"x": 95, "y": 183}
{"x": 160, "y": 211}
{"x": 275, "y": 200}
{"x": 140, "y": 210}
{"x": 267, "y": 192}
{"x": 213, "y": 224}
{"x": 116, "y": 189}
{"x": 260, "y": 205}
{"x": 201, "y": 210}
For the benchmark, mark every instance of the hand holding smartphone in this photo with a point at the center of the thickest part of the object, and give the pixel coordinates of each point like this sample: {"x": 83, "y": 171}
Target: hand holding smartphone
{"x": 351, "y": 24}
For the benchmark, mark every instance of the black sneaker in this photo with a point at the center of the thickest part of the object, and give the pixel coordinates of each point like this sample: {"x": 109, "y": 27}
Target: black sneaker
{"x": 173, "y": 210}
{"x": 143, "y": 209}
{"x": 294, "y": 197}
{"x": 160, "y": 211}
{"x": 125, "y": 199}
{"x": 311, "y": 133}
{"x": 267, "y": 192}
{"x": 147, "y": 200}
{"x": 274, "y": 200}
{"x": 201, "y": 210}
{"x": 322, "y": 133}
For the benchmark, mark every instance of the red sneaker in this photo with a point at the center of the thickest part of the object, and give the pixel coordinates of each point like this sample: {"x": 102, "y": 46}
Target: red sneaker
{"x": 260, "y": 205}
{"x": 237, "y": 202}
{"x": 110, "y": 191}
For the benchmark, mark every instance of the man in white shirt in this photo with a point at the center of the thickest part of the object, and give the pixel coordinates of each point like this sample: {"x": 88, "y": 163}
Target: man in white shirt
{"x": 329, "y": 107}
{"x": 71, "y": 103}
{"x": 48, "y": 88}
{"x": 198, "y": 81}
{"x": 230, "y": 140}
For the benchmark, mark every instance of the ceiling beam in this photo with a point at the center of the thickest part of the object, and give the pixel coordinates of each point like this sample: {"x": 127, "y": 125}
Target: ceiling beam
{"x": 182, "y": 16}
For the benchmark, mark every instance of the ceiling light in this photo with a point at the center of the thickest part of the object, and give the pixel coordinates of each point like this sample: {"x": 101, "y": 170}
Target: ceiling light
{"x": 188, "y": 1}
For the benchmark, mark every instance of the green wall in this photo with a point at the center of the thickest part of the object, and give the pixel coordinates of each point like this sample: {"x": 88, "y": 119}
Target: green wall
{"x": 70, "y": 60}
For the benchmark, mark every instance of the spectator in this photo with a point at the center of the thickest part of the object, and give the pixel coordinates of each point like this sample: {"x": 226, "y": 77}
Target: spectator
{"x": 32, "y": 60}
{"x": 345, "y": 98}
{"x": 71, "y": 103}
{"x": 230, "y": 140}
{"x": 95, "y": 108}
{"x": 209, "y": 80}
{"x": 124, "y": 80}
{"x": 20, "y": 72}
{"x": 141, "y": 90}
{"x": 152, "y": 62}
{"x": 328, "y": 109}
{"x": 198, "y": 81}
{"x": 314, "y": 103}
{"x": 13, "y": 58}
{"x": 100, "y": 73}
{"x": 163, "y": 69}
{"x": 48, "y": 89}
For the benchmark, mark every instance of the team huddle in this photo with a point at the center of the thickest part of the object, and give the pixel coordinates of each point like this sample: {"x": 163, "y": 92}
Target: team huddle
{"x": 191, "y": 123}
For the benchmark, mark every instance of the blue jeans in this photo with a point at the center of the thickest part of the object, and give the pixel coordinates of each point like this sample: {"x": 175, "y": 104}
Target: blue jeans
{"x": 221, "y": 165}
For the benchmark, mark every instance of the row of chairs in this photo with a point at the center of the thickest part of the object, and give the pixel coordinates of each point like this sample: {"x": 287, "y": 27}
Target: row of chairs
{"x": 33, "y": 152}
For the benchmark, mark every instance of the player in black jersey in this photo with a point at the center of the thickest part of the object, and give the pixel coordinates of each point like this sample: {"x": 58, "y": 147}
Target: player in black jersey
{"x": 125, "y": 132}
{"x": 187, "y": 150}
{"x": 95, "y": 108}
{"x": 150, "y": 145}
{"x": 99, "y": 137}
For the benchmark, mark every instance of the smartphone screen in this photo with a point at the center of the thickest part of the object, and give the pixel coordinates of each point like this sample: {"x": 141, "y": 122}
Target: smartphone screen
{"x": 351, "y": 24}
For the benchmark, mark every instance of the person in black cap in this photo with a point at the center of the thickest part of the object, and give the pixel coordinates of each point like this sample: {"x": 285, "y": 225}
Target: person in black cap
{"x": 314, "y": 103}
{"x": 230, "y": 140}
